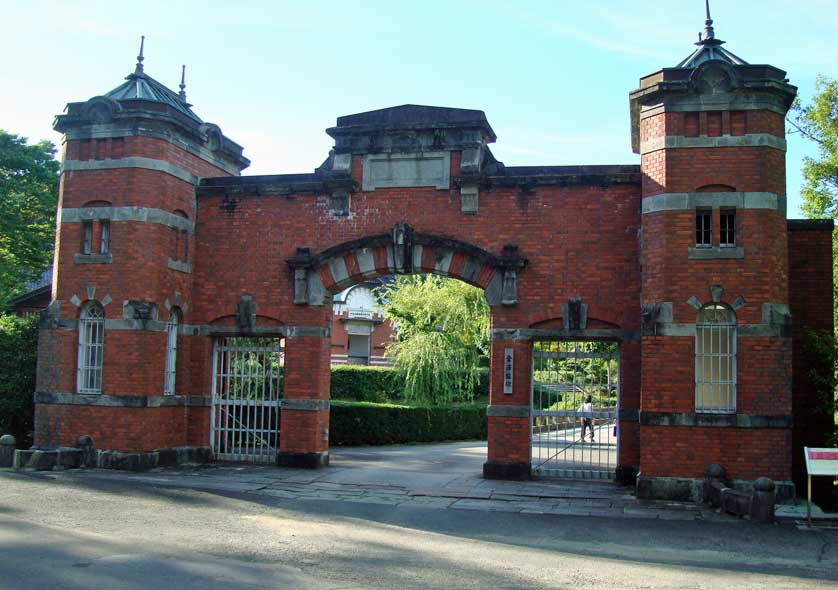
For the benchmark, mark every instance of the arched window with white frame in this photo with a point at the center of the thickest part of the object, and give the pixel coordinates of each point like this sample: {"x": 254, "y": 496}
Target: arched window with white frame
{"x": 715, "y": 360}
{"x": 171, "y": 352}
{"x": 91, "y": 348}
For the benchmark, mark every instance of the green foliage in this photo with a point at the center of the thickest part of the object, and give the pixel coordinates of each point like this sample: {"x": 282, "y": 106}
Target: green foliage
{"x": 383, "y": 424}
{"x": 18, "y": 353}
{"x": 441, "y": 329}
{"x": 382, "y": 384}
{"x": 818, "y": 121}
{"x": 28, "y": 197}
{"x": 819, "y": 348}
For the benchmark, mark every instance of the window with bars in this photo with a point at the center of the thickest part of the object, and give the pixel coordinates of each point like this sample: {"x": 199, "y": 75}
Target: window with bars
{"x": 87, "y": 237}
{"x": 171, "y": 352}
{"x": 104, "y": 236}
{"x": 703, "y": 228}
{"x": 715, "y": 360}
{"x": 91, "y": 348}
{"x": 727, "y": 228}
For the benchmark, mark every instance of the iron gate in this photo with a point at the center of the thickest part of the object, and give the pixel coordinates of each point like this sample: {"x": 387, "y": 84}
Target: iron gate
{"x": 568, "y": 438}
{"x": 246, "y": 389}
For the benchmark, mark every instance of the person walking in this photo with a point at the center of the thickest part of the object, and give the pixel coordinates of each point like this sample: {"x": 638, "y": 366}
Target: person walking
{"x": 587, "y": 421}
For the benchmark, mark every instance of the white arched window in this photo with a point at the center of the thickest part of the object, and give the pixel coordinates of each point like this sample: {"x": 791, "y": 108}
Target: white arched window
{"x": 91, "y": 347}
{"x": 171, "y": 352}
{"x": 715, "y": 360}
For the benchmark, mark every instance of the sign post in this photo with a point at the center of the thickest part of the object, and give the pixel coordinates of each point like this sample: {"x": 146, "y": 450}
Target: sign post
{"x": 818, "y": 462}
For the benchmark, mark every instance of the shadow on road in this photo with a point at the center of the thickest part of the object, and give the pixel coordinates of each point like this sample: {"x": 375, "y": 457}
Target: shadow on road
{"x": 739, "y": 547}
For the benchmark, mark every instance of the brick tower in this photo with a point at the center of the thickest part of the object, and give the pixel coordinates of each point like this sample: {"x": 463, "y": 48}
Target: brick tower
{"x": 711, "y": 136}
{"x": 122, "y": 281}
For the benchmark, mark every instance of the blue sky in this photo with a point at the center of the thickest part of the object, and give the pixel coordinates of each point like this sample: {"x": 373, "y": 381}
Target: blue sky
{"x": 552, "y": 77}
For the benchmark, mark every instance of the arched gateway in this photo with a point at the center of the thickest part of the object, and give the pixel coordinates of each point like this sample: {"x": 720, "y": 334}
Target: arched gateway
{"x": 158, "y": 231}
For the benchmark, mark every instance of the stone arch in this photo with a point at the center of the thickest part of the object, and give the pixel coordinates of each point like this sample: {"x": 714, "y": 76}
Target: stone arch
{"x": 715, "y": 188}
{"x": 404, "y": 251}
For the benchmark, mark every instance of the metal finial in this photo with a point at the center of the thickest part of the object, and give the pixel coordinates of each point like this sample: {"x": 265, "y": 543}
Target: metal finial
{"x": 709, "y": 33}
{"x": 139, "y": 68}
{"x": 182, "y": 92}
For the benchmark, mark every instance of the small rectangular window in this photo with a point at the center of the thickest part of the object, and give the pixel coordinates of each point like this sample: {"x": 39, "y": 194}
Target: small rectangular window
{"x": 703, "y": 228}
{"x": 727, "y": 228}
{"x": 87, "y": 237}
{"x": 105, "y": 236}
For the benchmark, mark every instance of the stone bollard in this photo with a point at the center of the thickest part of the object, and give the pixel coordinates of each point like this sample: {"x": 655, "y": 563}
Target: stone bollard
{"x": 762, "y": 501}
{"x": 85, "y": 443}
{"x": 7, "y": 450}
{"x": 714, "y": 483}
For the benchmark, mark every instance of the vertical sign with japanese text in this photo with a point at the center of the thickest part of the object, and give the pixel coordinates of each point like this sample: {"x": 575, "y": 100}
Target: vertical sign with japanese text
{"x": 507, "y": 370}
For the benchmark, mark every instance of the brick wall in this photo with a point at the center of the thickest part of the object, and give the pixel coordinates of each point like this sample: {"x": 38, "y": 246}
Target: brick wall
{"x": 810, "y": 300}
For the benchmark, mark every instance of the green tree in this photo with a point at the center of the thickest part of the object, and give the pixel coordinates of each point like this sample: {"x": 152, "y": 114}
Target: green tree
{"x": 441, "y": 329}
{"x": 28, "y": 197}
{"x": 18, "y": 354}
{"x": 818, "y": 121}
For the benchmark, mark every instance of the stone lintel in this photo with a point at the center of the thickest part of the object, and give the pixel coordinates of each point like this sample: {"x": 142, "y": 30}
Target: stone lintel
{"x": 564, "y": 334}
{"x": 141, "y": 214}
{"x": 722, "y": 141}
{"x": 160, "y": 130}
{"x": 106, "y": 258}
{"x": 120, "y": 401}
{"x": 735, "y": 200}
{"x": 308, "y": 405}
{"x": 503, "y": 411}
{"x": 195, "y": 330}
{"x": 742, "y": 330}
{"x": 716, "y": 253}
{"x": 131, "y": 162}
{"x": 715, "y": 420}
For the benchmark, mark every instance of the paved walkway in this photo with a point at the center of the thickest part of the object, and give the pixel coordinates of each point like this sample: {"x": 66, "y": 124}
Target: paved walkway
{"x": 445, "y": 476}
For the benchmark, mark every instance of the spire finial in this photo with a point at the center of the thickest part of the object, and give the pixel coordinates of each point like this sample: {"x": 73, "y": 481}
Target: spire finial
{"x": 709, "y": 33}
{"x": 139, "y": 69}
{"x": 182, "y": 92}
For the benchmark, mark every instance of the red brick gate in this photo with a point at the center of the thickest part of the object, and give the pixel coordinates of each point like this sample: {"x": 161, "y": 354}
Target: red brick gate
{"x": 155, "y": 223}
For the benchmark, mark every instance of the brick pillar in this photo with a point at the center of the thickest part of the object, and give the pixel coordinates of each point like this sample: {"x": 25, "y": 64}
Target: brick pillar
{"x": 304, "y": 420}
{"x": 509, "y": 412}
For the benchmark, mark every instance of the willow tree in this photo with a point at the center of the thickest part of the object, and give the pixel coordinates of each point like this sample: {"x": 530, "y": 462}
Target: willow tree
{"x": 440, "y": 332}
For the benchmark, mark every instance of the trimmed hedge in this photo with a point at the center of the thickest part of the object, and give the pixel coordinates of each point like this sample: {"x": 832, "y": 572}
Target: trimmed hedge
{"x": 380, "y": 384}
{"x": 18, "y": 355}
{"x": 366, "y": 384}
{"x": 353, "y": 424}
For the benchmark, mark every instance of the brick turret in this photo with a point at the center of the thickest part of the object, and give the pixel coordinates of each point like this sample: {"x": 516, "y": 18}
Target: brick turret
{"x": 710, "y": 132}
{"x": 123, "y": 260}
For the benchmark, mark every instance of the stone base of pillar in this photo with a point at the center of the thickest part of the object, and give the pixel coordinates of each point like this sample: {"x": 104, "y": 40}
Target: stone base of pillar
{"x": 302, "y": 460}
{"x": 513, "y": 470}
{"x": 626, "y": 475}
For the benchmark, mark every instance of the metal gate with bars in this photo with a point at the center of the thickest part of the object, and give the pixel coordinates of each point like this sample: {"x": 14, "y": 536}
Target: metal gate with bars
{"x": 246, "y": 389}
{"x": 568, "y": 438}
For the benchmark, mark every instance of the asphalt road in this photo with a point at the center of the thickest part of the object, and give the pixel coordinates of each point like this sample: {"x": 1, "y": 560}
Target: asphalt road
{"x": 84, "y": 532}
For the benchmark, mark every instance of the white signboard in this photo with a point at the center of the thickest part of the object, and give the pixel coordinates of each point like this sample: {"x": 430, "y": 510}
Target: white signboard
{"x": 508, "y": 360}
{"x": 818, "y": 462}
{"x": 822, "y": 461}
